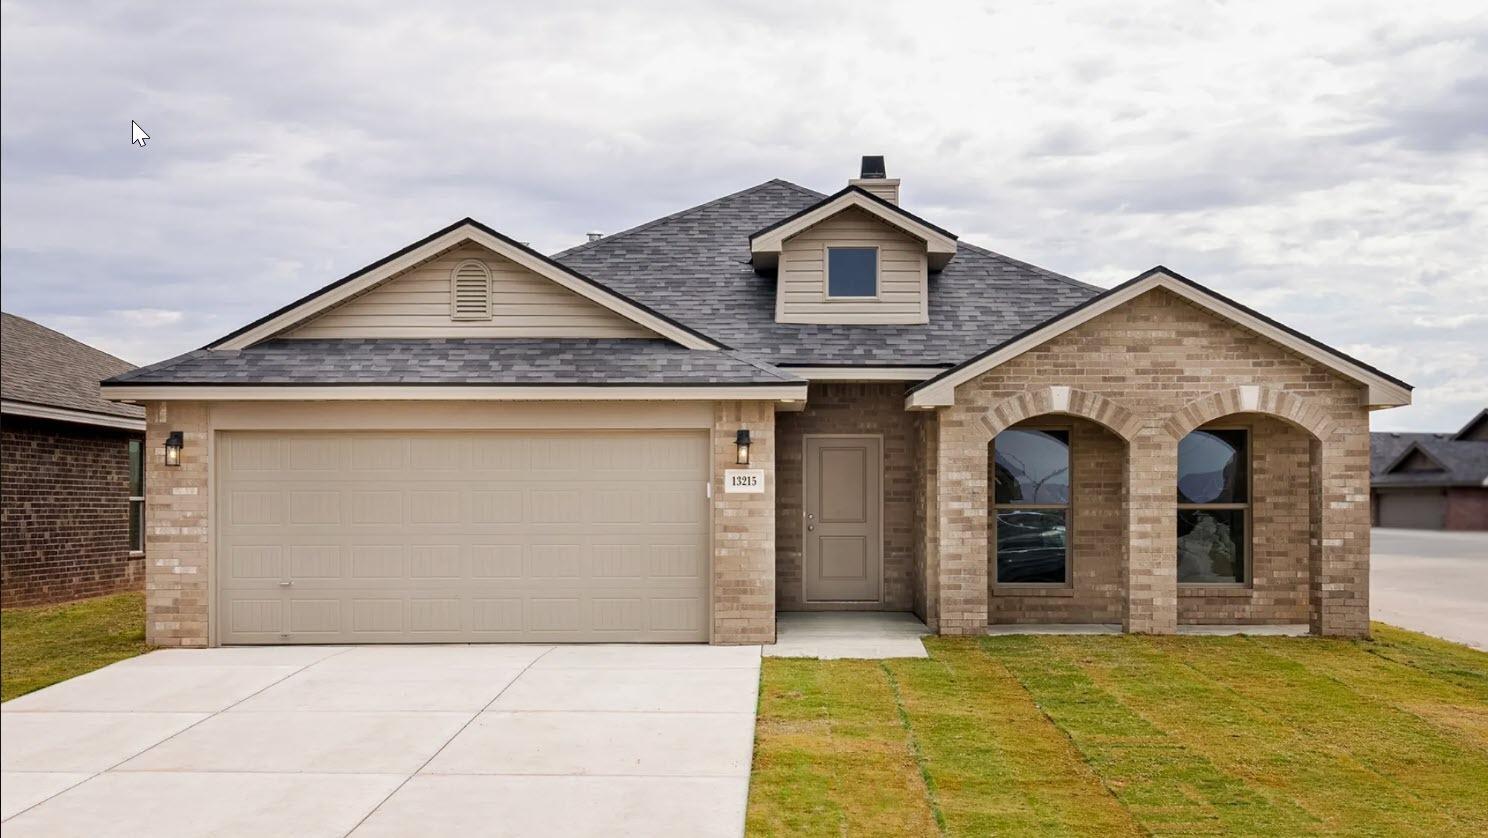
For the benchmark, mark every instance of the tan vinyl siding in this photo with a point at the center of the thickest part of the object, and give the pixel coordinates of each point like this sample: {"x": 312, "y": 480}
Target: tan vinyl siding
{"x": 801, "y": 295}
{"x": 417, "y": 304}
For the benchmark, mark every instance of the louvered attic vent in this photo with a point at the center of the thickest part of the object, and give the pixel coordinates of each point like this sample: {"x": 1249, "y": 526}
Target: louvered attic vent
{"x": 470, "y": 291}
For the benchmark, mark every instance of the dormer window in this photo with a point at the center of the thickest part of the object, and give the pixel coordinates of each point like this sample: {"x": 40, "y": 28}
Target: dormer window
{"x": 852, "y": 273}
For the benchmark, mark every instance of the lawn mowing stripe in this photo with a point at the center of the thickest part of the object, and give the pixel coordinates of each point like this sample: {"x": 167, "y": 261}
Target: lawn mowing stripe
{"x": 1287, "y": 765}
{"x": 1422, "y": 763}
{"x": 1460, "y": 665}
{"x": 917, "y": 751}
{"x": 997, "y": 765}
{"x": 834, "y": 725}
{"x": 1169, "y": 787}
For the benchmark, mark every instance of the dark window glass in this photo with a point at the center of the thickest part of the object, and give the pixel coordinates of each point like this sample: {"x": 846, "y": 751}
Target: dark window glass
{"x": 136, "y": 525}
{"x": 136, "y": 468}
{"x": 1031, "y": 545}
{"x": 1211, "y": 467}
{"x": 1211, "y": 545}
{"x": 852, "y": 272}
{"x": 1031, "y": 467}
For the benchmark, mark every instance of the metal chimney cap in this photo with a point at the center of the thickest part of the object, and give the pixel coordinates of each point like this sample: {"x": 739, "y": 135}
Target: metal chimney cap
{"x": 873, "y": 166}
{"x": 594, "y": 235}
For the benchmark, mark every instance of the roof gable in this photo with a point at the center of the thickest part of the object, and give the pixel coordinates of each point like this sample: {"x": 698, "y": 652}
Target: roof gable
{"x": 1476, "y": 429}
{"x": 766, "y": 243}
{"x": 1383, "y": 390}
{"x": 461, "y": 232}
{"x": 1415, "y": 458}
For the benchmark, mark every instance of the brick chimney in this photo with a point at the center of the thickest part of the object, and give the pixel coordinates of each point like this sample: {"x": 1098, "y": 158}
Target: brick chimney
{"x": 874, "y": 179}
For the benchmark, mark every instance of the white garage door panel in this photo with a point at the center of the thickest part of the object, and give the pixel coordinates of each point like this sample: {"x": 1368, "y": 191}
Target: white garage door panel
{"x": 479, "y": 536}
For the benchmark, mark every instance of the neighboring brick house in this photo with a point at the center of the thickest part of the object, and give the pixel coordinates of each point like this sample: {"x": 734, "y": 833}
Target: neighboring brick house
{"x": 1431, "y": 481}
{"x": 71, "y": 503}
{"x": 778, "y": 400}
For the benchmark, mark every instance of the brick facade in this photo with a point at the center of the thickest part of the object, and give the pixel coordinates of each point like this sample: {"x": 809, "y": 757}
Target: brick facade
{"x": 1467, "y": 509}
{"x": 844, "y": 408}
{"x": 64, "y": 519}
{"x": 744, "y": 528}
{"x": 1151, "y": 371}
{"x": 176, "y": 527}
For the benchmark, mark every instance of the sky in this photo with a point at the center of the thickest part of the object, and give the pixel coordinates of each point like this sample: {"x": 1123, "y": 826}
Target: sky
{"x": 1323, "y": 162}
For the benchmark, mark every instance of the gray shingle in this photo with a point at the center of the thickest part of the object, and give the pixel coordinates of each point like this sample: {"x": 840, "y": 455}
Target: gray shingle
{"x": 1465, "y": 462}
{"x": 478, "y": 361}
{"x": 694, "y": 266}
{"x": 45, "y": 367}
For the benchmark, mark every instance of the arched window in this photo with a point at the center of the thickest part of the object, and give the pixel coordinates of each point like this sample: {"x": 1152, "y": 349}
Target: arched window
{"x": 470, "y": 291}
{"x": 1213, "y": 507}
{"x": 1031, "y": 502}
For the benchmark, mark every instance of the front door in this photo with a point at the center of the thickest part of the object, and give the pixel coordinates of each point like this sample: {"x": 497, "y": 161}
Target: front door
{"x": 843, "y": 510}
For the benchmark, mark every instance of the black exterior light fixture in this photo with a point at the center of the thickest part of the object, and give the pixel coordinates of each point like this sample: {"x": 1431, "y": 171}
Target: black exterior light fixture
{"x": 741, "y": 439}
{"x": 173, "y": 445}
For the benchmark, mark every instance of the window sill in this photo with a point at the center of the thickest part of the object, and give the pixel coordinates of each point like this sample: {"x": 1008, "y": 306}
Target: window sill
{"x": 135, "y": 554}
{"x": 1238, "y": 591}
{"x": 1032, "y": 591}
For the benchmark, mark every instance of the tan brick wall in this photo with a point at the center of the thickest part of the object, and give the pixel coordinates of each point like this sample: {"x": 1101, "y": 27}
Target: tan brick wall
{"x": 844, "y": 408}
{"x": 176, "y": 529}
{"x": 1152, "y": 370}
{"x": 744, "y": 529}
{"x": 926, "y": 563}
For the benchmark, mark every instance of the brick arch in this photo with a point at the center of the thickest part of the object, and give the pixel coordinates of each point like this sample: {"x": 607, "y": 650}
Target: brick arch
{"x": 1068, "y": 401}
{"x": 1297, "y": 410}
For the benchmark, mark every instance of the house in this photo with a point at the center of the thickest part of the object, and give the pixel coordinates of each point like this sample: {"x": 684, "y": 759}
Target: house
{"x": 71, "y": 466}
{"x": 1431, "y": 481}
{"x": 778, "y": 400}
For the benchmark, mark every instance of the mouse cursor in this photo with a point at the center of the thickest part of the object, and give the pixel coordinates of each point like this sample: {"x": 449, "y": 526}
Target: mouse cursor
{"x": 137, "y": 134}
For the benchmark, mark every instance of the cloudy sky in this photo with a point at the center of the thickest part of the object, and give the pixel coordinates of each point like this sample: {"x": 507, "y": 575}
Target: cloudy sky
{"x": 1324, "y": 162}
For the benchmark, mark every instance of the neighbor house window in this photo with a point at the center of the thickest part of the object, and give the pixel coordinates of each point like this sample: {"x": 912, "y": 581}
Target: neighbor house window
{"x": 136, "y": 496}
{"x": 1031, "y": 497}
{"x": 852, "y": 272}
{"x": 1213, "y": 506}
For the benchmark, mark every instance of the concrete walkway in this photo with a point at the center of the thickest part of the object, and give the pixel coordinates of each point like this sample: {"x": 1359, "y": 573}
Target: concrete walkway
{"x": 829, "y": 635}
{"x": 375, "y": 741}
{"x": 1432, "y": 582}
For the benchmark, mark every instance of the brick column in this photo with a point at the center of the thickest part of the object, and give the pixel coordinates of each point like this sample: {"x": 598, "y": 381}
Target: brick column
{"x": 1150, "y": 561}
{"x": 1338, "y": 578}
{"x": 176, "y": 586}
{"x": 744, "y": 529}
{"x": 961, "y": 515}
{"x": 927, "y": 519}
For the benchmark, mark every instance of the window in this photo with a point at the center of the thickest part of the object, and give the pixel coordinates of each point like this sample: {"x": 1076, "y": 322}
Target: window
{"x": 852, "y": 272}
{"x": 136, "y": 496}
{"x": 1031, "y": 496}
{"x": 1213, "y": 507}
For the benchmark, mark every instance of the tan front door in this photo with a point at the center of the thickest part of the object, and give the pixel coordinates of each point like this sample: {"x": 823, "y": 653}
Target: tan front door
{"x": 843, "y": 509}
{"x": 327, "y": 537}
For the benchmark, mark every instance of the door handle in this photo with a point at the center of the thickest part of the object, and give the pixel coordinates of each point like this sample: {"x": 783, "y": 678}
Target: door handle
{"x": 285, "y": 584}
{"x": 811, "y": 527}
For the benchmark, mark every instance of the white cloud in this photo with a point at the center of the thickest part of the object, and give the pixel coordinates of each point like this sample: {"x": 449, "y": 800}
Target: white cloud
{"x": 1325, "y": 162}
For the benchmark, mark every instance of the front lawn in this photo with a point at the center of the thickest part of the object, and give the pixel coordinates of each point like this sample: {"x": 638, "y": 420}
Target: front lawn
{"x": 1128, "y": 736}
{"x": 46, "y": 644}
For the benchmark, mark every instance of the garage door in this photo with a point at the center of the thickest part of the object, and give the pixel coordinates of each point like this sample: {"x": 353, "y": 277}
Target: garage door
{"x": 1413, "y": 510}
{"x": 455, "y": 537}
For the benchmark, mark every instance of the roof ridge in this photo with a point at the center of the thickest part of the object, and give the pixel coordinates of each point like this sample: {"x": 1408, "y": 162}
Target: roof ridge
{"x": 676, "y": 215}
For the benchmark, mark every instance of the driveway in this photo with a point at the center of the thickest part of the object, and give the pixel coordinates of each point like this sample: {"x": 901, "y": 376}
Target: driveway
{"x": 1432, "y": 582}
{"x": 377, "y": 741}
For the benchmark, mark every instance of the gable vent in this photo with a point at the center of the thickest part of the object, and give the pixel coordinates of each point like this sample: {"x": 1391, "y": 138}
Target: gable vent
{"x": 470, "y": 291}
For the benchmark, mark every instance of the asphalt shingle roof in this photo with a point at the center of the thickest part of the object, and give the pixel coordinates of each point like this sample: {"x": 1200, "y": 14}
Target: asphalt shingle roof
{"x": 1464, "y": 462}
{"x": 479, "y": 361}
{"x": 42, "y": 366}
{"x": 694, "y": 266}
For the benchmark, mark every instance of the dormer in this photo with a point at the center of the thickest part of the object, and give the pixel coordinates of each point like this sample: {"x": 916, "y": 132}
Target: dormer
{"x": 854, "y": 257}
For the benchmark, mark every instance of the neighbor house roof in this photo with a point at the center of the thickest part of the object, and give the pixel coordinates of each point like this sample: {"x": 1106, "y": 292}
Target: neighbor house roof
{"x": 694, "y": 266}
{"x": 1460, "y": 462}
{"x": 46, "y": 374}
{"x": 449, "y": 362}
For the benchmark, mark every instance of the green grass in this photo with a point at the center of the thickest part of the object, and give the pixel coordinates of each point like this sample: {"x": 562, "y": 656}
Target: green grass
{"x": 1128, "y": 736}
{"x": 43, "y": 645}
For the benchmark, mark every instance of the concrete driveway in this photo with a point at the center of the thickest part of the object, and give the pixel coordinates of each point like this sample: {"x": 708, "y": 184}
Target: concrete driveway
{"x": 377, "y": 741}
{"x": 1431, "y": 582}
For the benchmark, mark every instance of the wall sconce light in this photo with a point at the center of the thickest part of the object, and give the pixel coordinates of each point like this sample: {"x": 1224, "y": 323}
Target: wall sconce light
{"x": 173, "y": 445}
{"x": 741, "y": 439}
